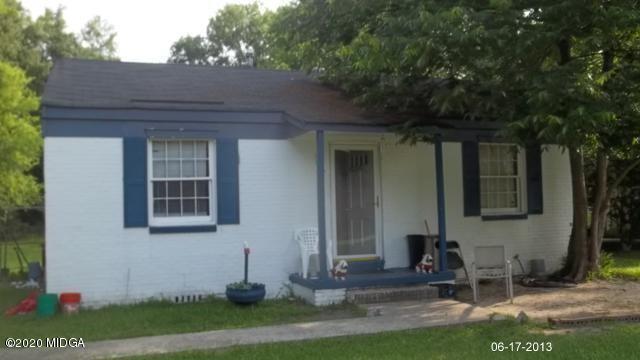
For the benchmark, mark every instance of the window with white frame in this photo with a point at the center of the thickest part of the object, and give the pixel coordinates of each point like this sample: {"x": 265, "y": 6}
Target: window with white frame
{"x": 501, "y": 178}
{"x": 181, "y": 176}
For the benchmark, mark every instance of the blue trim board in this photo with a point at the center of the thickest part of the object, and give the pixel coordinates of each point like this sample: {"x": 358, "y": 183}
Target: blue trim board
{"x": 182, "y": 229}
{"x": 442, "y": 222}
{"x": 505, "y": 217}
{"x": 227, "y": 181}
{"x": 391, "y": 277}
{"x": 269, "y": 124}
{"x": 177, "y": 129}
{"x": 134, "y": 176}
{"x": 322, "y": 236}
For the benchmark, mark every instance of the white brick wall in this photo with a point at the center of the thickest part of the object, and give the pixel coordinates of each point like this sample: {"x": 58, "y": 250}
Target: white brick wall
{"x": 321, "y": 297}
{"x": 89, "y": 250}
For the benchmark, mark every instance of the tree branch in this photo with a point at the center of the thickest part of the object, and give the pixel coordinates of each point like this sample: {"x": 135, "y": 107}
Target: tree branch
{"x": 622, "y": 175}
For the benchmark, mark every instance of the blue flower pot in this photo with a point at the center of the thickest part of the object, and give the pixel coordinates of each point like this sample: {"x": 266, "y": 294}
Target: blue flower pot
{"x": 246, "y": 296}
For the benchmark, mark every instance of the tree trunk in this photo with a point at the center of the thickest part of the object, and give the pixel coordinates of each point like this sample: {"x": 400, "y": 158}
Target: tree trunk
{"x": 577, "y": 257}
{"x": 599, "y": 212}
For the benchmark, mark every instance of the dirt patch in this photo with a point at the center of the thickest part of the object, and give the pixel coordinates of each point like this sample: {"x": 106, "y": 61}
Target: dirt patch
{"x": 596, "y": 298}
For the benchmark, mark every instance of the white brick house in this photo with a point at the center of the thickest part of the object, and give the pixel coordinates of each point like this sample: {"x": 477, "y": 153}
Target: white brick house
{"x": 155, "y": 175}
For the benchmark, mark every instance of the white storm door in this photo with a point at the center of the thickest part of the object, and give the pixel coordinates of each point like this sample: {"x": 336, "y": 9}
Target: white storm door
{"x": 355, "y": 202}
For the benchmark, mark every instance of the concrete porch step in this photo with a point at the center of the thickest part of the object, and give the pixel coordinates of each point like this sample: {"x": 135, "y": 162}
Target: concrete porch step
{"x": 391, "y": 294}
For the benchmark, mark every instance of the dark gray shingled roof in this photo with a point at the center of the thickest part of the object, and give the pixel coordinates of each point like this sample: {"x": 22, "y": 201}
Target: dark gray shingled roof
{"x": 124, "y": 85}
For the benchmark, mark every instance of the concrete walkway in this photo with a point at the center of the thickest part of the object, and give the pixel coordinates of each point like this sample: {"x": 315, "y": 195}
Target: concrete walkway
{"x": 382, "y": 317}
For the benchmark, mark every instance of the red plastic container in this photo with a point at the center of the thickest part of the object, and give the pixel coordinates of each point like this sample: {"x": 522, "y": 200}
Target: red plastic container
{"x": 70, "y": 302}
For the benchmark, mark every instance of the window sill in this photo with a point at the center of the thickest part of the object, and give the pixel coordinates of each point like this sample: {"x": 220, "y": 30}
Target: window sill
{"x": 182, "y": 229}
{"x": 497, "y": 217}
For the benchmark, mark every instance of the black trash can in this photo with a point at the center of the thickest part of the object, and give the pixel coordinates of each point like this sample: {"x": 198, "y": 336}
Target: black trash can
{"x": 416, "y": 248}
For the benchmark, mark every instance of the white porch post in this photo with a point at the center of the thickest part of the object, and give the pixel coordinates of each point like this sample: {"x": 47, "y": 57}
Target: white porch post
{"x": 442, "y": 227}
{"x": 322, "y": 233}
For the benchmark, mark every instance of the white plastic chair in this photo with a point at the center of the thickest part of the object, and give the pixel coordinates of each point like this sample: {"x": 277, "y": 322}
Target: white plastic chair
{"x": 308, "y": 240}
{"x": 490, "y": 262}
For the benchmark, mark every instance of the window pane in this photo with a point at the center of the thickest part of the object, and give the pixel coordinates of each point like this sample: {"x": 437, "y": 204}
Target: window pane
{"x": 202, "y": 187}
{"x": 188, "y": 168}
{"x": 491, "y": 185}
{"x": 159, "y": 189}
{"x": 173, "y": 189}
{"x": 174, "y": 207}
{"x": 159, "y": 169}
{"x": 158, "y": 149}
{"x": 491, "y": 201}
{"x": 203, "y": 207}
{"x": 173, "y": 149}
{"x": 494, "y": 168}
{"x": 187, "y": 149}
{"x": 508, "y": 167}
{"x": 160, "y": 208}
{"x": 505, "y": 183}
{"x": 504, "y": 201}
{"x": 512, "y": 200}
{"x": 202, "y": 168}
{"x": 188, "y": 207}
{"x": 202, "y": 149}
{"x": 484, "y": 168}
{"x": 493, "y": 152}
{"x": 173, "y": 168}
{"x": 188, "y": 189}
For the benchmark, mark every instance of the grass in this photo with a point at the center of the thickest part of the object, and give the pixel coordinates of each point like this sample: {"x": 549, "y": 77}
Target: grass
{"x": 468, "y": 342}
{"x": 31, "y": 246}
{"x": 158, "y": 318}
{"x": 626, "y": 265}
{"x": 623, "y": 265}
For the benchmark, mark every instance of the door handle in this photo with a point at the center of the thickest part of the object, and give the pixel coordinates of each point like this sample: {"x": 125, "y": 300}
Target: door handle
{"x": 377, "y": 203}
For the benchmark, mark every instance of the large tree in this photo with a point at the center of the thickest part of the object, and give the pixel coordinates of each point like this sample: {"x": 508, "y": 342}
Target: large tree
{"x": 34, "y": 44}
{"x": 238, "y": 35}
{"x": 97, "y": 40}
{"x": 563, "y": 72}
{"x": 20, "y": 140}
{"x": 28, "y": 49}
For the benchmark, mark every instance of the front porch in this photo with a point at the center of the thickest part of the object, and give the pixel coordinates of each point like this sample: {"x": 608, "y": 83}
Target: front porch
{"x": 323, "y": 289}
{"x": 394, "y": 283}
{"x": 386, "y": 277}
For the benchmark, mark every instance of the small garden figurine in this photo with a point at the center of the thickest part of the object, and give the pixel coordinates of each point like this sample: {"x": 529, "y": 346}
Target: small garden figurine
{"x": 244, "y": 292}
{"x": 339, "y": 272}
{"x": 425, "y": 266}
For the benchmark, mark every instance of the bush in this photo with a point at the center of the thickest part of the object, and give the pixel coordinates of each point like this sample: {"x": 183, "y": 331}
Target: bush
{"x": 606, "y": 270}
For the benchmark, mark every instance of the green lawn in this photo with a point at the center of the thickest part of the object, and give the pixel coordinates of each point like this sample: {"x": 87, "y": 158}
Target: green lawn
{"x": 460, "y": 342}
{"x": 157, "y": 318}
{"x": 626, "y": 265}
{"x": 31, "y": 246}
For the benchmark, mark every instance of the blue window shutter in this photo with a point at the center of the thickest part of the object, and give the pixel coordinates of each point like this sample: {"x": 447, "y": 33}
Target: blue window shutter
{"x": 471, "y": 178}
{"x": 135, "y": 181}
{"x": 534, "y": 180}
{"x": 228, "y": 188}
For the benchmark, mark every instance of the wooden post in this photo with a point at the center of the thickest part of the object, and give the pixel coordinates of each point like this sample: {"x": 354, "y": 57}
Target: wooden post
{"x": 442, "y": 227}
{"x": 322, "y": 236}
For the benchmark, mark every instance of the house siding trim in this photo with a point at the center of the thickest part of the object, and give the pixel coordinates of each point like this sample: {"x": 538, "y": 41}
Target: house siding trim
{"x": 110, "y": 122}
{"x": 182, "y": 229}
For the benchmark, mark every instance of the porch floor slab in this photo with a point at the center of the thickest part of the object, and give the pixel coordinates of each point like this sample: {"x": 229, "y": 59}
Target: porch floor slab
{"x": 387, "y": 277}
